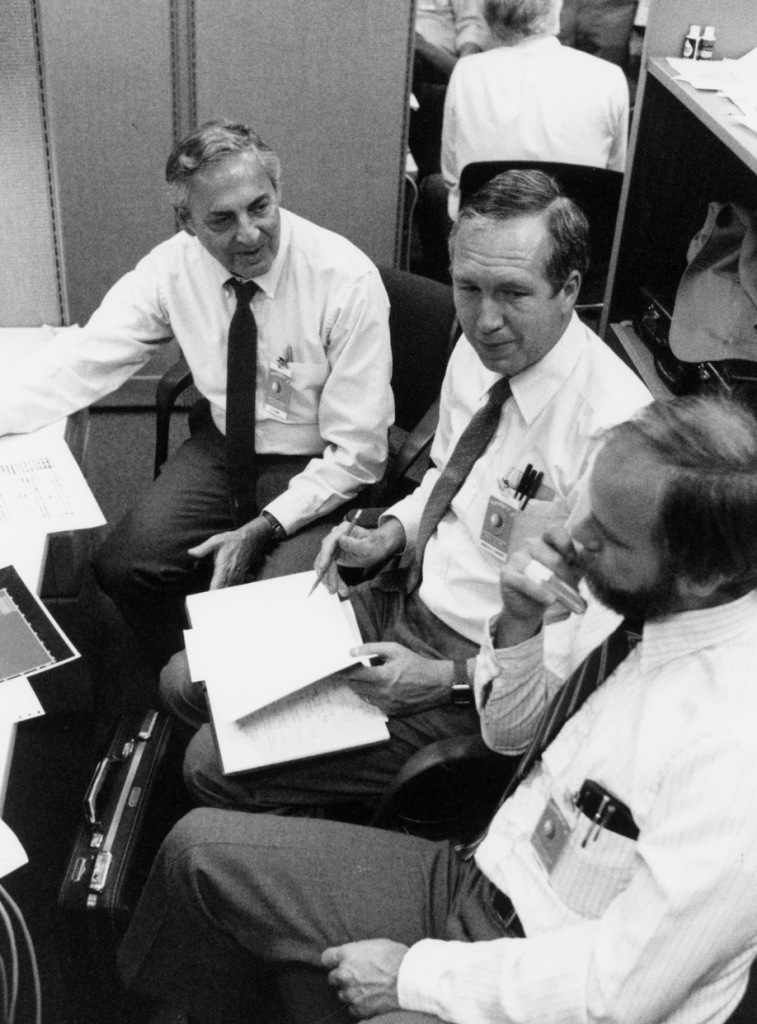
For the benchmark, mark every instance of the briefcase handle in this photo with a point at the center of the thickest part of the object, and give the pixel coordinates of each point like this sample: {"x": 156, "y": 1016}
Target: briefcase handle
{"x": 94, "y": 789}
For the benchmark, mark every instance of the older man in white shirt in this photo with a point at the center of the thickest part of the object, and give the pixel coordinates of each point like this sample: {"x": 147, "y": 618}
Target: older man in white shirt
{"x": 517, "y": 258}
{"x": 312, "y": 386}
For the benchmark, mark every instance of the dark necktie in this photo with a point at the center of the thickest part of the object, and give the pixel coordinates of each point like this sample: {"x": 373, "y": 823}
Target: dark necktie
{"x": 577, "y": 688}
{"x": 241, "y": 380}
{"x": 468, "y": 450}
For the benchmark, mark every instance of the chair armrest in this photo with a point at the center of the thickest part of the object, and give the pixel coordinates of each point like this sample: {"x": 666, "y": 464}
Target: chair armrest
{"x": 176, "y": 379}
{"x": 447, "y": 790}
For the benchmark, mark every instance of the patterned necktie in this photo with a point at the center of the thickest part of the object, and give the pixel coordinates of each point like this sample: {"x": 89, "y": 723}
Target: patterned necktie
{"x": 468, "y": 450}
{"x": 577, "y": 688}
{"x": 241, "y": 380}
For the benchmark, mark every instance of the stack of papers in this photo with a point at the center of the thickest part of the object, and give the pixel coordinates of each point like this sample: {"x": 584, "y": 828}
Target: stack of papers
{"x": 736, "y": 80}
{"x": 266, "y": 652}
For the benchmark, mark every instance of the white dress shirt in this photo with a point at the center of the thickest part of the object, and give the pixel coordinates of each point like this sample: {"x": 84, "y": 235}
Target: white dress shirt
{"x": 557, "y": 406}
{"x": 661, "y": 928}
{"x": 450, "y": 24}
{"x": 537, "y": 100}
{"x": 322, "y": 297}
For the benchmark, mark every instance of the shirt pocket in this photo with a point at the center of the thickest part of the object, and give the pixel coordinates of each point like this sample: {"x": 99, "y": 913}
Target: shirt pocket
{"x": 534, "y": 520}
{"x": 308, "y": 380}
{"x": 587, "y": 878}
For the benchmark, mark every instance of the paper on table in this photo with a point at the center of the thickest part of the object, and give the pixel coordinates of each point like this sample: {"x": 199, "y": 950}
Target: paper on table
{"x": 42, "y": 487}
{"x": 326, "y": 716}
{"x": 12, "y": 853}
{"x": 704, "y": 75}
{"x": 18, "y": 701}
{"x": 258, "y": 642}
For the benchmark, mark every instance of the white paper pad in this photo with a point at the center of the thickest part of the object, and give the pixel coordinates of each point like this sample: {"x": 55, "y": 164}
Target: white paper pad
{"x": 12, "y": 853}
{"x": 18, "y": 701}
{"x": 259, "y": 642}
{"x": 42, "y": 487}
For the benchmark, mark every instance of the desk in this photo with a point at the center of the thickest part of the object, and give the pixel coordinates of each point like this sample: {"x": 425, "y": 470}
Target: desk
{"x": 28, "y": 552}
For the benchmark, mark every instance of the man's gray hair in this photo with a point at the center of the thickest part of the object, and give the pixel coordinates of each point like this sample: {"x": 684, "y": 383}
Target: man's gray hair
{"x": 512, "y": 20}
{"x": 211, "y": 142}
{"x": 707, "y": 446}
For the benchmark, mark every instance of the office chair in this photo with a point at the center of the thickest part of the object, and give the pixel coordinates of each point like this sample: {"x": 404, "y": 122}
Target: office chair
{"x": 423, "y": 329}
{"x": 595, "y": 189}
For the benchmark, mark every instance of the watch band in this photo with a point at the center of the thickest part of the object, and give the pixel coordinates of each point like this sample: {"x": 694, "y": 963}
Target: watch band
{"x": 462, "y": 691}
{"x": 279, "y": 533}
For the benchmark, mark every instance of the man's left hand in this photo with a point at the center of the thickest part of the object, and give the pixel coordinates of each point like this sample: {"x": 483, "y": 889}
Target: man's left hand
{"x": 365, "y": 975}
{"x": 233, "y": 552}
{"x": 403, "y": 683}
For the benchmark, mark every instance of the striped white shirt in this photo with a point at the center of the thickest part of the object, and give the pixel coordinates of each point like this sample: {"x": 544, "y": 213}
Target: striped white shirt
{"x": 662, "y": 928}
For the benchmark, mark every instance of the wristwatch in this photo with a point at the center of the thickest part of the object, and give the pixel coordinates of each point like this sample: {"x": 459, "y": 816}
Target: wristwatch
{"x": 279, "y": 533}
{"x": 462, "y": 691}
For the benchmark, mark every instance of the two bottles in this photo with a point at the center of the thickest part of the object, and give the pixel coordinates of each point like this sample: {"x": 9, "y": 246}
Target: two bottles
{"x": 699, "y": 45}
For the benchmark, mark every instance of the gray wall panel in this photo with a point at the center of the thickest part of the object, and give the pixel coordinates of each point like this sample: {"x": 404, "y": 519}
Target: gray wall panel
{"x": 29, "y": 286}
{"x": 108, "y": 66}
{"x": 326, "y": 85}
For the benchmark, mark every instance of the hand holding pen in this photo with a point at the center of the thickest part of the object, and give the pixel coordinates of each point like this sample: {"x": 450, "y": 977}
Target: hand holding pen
{"x": 352, "y": 545}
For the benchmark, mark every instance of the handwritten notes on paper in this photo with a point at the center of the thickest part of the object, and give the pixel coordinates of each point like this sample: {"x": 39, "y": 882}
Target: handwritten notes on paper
{"x": 266, "y": 652}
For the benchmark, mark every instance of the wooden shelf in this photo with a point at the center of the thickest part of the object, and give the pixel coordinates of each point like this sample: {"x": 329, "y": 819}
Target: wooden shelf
{"x": 641, "y": 358}
{"x": 715, "y": 112}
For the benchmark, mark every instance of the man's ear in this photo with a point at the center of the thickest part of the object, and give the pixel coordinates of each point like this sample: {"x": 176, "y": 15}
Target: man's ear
{"x": 695, "y": 594}
{"x": 571, "y": 288}
{"x": 185, "y": 219}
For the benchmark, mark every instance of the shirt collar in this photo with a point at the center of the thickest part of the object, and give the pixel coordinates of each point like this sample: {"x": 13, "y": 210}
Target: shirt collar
{"x": 538, "y": 43}
{"x": 685, "y": 633}
{"x": 536, "y": 386}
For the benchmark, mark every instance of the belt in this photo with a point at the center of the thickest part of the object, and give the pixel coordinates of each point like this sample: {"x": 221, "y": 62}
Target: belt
{"x": 503, "y": 907}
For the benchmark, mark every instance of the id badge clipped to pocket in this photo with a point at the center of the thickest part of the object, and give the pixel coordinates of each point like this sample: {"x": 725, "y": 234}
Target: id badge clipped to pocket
{"x": 278, "y": 392}
{"x": 498, "y": 525}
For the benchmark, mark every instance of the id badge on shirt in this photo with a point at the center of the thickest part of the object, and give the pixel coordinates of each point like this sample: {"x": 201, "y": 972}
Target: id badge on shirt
{"x": 498, "y": 525}
{"x": 278, "y": 392}
{"x": 551, "y": 835}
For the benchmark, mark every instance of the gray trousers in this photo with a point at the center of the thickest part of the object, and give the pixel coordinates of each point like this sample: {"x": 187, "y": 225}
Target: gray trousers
{"x": 354, "y": 775}
{"x": 239, "y": 903}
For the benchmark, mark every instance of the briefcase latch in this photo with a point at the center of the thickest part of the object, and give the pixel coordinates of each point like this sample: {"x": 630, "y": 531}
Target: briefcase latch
{"x": 100, "y": 871}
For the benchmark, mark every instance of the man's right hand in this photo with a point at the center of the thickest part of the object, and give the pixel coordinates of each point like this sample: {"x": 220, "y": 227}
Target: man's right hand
{"x": 524, "y": 601}
{"x": 351, "y": 545}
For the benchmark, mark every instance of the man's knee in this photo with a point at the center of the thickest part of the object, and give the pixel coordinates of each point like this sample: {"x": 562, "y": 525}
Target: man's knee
{"x": 181, "y": 696}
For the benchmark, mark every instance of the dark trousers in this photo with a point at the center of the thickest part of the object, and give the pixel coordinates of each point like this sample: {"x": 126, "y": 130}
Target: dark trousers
{"x": 144, "y": 565}
{"x": 361, "y": 775}
{"x": 235, "y": 898}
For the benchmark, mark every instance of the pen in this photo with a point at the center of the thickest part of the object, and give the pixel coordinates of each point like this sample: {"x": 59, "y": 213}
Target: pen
{"x": 319, "y": 578}
{"x": 525, "y": 479}
{"x": 533, "y": 487}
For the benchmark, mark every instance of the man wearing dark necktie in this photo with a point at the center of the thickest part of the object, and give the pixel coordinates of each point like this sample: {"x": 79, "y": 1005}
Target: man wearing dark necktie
{"x": 527, "y": 387}
{"x": 285, "y": 328}
{"x": 617, "y": 882}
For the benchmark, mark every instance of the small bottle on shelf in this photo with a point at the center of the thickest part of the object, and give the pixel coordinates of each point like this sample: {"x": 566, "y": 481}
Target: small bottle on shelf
{"x": 707, "y": 43}
{"x": 691, "y": 43}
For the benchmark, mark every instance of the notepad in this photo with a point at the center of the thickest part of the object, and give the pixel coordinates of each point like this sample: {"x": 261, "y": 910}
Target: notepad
{"x": 266, "y": 652}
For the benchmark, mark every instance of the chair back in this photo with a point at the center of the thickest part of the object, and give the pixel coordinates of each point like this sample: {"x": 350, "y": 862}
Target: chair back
{"x": 595, "y": 189}
{"x": 421, "y": 321}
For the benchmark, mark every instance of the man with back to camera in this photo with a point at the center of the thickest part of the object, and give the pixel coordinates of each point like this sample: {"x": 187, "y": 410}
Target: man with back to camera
{"x": 545, "y": 384}
{"x": 308, "y": 401}
{"x": 617, "y": 883}
{"x": 529, "y": 98}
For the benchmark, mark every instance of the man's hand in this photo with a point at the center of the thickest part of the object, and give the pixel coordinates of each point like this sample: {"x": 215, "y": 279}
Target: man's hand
{"x": 352, "y": 545}
{"x": 525, "y": 601}
{"x": 403, "y": 683}
{"x": 233, "y": 552}
{"x": 365, "y": 975}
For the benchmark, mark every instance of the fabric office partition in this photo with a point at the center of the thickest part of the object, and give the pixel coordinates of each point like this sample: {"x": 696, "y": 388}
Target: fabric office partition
{"x": 30, "y": 283}
{"x": 327, "y": 85}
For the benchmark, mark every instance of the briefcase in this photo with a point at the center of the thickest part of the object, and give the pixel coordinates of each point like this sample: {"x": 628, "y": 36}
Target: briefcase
{"x": 134, "y": 798}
